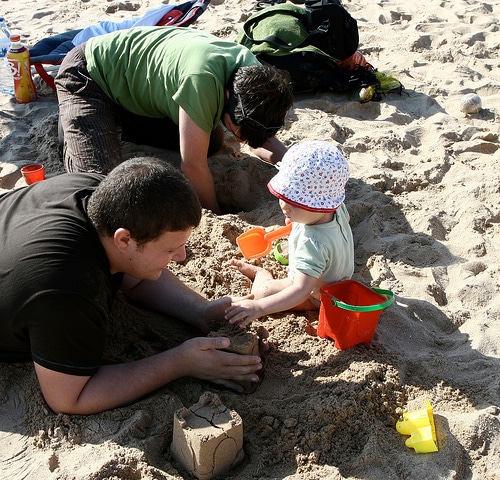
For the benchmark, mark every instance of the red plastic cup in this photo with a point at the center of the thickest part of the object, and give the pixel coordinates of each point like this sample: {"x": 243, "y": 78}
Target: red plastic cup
{"x": 33, "y": 173}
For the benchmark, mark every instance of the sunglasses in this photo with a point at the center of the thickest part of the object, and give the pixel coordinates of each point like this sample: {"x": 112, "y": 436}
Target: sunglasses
{"x": 254, "y": 124}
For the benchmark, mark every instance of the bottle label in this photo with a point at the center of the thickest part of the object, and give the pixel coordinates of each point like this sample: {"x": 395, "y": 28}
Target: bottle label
{"x": 15, "y": 68}
{"x": 24, "y": 88}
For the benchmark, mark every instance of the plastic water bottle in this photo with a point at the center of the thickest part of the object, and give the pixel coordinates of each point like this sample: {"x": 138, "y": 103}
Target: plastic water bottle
{"x": 6, "y": 78}
{"x": 19, "y": 59}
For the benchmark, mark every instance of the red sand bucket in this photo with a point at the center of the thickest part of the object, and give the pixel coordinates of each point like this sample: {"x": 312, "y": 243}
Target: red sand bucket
{"x": 349, "y": 312}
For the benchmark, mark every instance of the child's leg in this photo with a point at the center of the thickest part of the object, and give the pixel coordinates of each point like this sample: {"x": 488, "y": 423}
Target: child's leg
{"x": 304, "y": 306}
{"x": 263, "y": 282}
{"x": 250, "y": 271}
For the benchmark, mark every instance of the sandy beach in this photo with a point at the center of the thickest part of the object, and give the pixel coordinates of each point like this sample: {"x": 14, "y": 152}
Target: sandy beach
{"x": 424, "y": 200}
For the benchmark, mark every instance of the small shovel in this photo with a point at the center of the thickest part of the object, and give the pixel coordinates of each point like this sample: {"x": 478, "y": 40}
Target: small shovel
{"x": 258, "y": 243}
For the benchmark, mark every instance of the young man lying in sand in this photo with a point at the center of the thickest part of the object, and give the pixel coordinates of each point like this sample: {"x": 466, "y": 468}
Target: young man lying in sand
{"x": 68, "y": 244}
{"x": 311, "y": 188}
{"x": 169, "y": 87}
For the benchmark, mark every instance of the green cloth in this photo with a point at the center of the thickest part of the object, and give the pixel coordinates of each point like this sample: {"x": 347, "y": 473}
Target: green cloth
{"x": 288, "y": 28}
{"x": 152, "y": 71}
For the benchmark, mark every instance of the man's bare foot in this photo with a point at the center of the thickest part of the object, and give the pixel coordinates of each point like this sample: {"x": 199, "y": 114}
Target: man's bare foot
{"x": 250, "y": 271}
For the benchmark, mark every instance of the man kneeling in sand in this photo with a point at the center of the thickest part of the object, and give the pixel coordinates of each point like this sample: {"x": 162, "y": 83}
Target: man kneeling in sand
{"x": 68, "y": 245}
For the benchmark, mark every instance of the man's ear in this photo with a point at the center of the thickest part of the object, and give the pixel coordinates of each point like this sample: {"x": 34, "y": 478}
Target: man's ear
{"x": 122, "y": 239}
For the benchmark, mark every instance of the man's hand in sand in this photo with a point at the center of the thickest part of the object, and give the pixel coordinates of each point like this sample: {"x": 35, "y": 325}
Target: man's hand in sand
{"x": 205, "y": 360}
{"x": 214, "y": 312}
{"x": 120, "y": 384}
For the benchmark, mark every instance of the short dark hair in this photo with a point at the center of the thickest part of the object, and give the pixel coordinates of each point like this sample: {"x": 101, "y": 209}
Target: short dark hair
{"x": 148, "y": 197}
{"x": 260, "y": 97}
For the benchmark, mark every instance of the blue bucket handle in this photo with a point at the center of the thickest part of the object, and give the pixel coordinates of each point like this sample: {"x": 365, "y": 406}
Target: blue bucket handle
{"x": 365, "y": 308}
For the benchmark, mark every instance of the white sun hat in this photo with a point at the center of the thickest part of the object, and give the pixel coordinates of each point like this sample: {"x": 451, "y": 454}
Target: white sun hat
{"x": 312, "y": 175}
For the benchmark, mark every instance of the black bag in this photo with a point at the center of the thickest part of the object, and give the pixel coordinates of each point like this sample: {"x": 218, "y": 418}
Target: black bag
{"x": 333, "y": 30}
{"x": 308, "y": 42}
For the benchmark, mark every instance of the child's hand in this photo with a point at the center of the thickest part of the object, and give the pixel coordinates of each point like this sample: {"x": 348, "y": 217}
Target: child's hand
{"x": 243, "y": 312}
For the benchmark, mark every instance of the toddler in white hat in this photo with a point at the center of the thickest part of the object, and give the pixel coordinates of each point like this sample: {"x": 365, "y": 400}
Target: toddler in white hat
{"x": 310, "y": 186}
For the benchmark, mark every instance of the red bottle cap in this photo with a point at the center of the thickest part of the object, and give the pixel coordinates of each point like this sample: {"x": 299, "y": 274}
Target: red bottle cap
{"x": 15, "y": 38}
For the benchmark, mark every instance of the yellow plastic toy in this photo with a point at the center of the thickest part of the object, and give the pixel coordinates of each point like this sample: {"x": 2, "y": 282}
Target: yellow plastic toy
{"x": 420, "y": 426}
